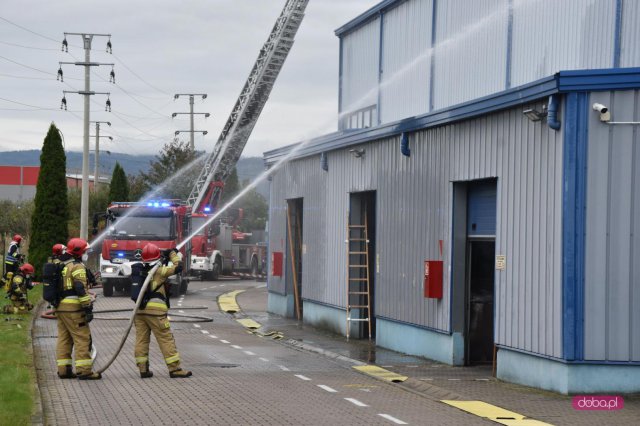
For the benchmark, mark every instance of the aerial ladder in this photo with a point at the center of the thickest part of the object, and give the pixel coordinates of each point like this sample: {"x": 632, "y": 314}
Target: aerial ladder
{"x": 235, "y": 133}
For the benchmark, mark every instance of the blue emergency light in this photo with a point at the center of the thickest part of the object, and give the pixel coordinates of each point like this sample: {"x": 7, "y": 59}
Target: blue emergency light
{"x": 120, "y": 254}
{"x": 207, "y": 209}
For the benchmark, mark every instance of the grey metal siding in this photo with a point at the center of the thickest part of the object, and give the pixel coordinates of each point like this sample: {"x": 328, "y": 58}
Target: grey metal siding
{"x": 630, "y": 48}
{"x": 551, "y": 35}
{"x": 406, "y": 60}
{"x": 612, "y": 274}
{"x": 414, "y": 212}
{"x": 470, "y": 50}
{"x": 360, "y": 66}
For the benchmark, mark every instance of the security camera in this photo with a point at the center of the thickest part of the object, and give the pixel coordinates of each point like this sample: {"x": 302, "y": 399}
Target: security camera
{"x": 605, "y": 115}
{"x": 602, "y": 109}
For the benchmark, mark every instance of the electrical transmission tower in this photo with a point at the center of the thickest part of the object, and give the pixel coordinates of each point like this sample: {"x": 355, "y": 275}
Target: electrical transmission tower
{"x": 191, "y": 113}
{"x": 87, "y": 38}
{"x": 97, "y": 152}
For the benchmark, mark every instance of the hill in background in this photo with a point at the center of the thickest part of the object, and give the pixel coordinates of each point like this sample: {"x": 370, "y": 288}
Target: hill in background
{"x": 248, "y": 168}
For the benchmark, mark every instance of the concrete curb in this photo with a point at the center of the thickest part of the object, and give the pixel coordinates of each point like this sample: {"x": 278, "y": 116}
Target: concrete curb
{"x": 310, "y": 348}
{"x": 37, "y": 418}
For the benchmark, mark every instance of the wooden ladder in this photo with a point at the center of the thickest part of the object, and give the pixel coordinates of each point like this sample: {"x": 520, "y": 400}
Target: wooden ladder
{"x": 358, "y": 282}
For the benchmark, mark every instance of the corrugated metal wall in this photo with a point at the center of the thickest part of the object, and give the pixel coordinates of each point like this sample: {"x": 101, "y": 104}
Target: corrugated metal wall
{"x": 630, "y": 52}
{"x": 612, "y": 275}
{"x": 360, "y": 64}
{"x": 415, "y": 209}
{"x": 470, "y": 50}
{"x": 551, "y": 35}
{"x": 406, "y": 60}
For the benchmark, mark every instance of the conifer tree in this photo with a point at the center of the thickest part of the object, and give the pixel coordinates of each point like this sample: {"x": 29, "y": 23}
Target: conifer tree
{"x": 119, "y": 190}
{"x": 50, "y": 215}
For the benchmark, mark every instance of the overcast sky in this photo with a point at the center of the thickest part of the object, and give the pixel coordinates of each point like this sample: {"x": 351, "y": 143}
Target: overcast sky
{"x": 161, "y": 48}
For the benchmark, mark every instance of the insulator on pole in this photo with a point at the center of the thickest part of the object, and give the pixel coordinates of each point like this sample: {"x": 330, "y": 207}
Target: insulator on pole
{"x": 107, "y": 107}
{"x": 112, "y": 76}
{"x": 59, "y": 78}
{"x": 65, "y": 45}
{"x": 63, "y": 103}
{"x": 109, "y": 46}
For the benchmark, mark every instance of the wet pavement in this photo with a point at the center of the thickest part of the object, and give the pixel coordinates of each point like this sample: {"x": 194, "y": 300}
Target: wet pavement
{"x": 304, "y": 378}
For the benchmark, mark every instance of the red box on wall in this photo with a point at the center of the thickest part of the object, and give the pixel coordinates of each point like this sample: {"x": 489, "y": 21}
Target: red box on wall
{"x": 276, "y": 263}
{"x": 433, "y": 279}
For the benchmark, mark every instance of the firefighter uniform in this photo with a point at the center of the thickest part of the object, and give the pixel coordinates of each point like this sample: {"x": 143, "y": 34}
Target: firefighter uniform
{"x": 73, "y": 314}
{"x": 18, "y": 295}
{"x": 12, "y": 259}
{"x": 153, "y": 318}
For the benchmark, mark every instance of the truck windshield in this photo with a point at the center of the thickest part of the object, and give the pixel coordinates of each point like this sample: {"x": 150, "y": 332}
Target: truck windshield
{"x": 143, "y": 227}
{"x": 197, "y": 222}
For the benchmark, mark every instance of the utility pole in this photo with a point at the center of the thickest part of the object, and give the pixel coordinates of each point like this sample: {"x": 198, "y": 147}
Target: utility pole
{"x": 97, "y": 153}
{"x": 191, "y": 113}
{"x": 87, "y": 38}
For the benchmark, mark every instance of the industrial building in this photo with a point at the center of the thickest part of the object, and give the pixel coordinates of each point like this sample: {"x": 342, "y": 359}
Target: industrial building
{"x": 480, "y": 202}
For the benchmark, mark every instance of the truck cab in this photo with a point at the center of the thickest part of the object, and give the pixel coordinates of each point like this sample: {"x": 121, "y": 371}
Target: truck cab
{"x": 211, "y": 247}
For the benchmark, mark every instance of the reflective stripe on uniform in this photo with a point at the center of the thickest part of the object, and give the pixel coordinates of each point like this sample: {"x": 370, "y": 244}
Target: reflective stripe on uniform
{"x": 84, "y": 362}
{"x": 158, "y": 305}
{"x": 141, "y": 359}
{"x": 62, "y": 362}
{"x": 79, "y": 273}
{"x": 72, "y": 300}
{"x": 172, "y": 359}
{"x": 84, "y": 299}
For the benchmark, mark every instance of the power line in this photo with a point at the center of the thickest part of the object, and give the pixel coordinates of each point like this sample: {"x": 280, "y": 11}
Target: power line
{"x": 141, "y": 79}
{"x": 24, "y": 78}
{"x": 26, "y": 47}
{"x": 28, "y": 30}
{"x": 30, "y": 67}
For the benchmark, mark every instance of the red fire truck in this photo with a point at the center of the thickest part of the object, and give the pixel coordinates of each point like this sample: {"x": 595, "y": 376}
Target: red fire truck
{"x": 129, "y": 227}
{"x": 211, "y": 247}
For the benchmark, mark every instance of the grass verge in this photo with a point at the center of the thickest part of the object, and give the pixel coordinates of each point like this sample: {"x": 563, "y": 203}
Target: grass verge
{"x": 17, "y": 374}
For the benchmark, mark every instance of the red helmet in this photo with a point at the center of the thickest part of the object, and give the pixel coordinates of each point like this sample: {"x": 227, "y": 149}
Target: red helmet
{"x": 17, "y": 238}
{"x": 77, "y": 247}
{"x": 58, "y": 249}
{"x": 27, "y": 269}
{"x": 150, "y": 252}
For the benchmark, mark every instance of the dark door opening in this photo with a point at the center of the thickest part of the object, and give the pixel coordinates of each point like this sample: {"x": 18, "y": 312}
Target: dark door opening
{"x": 481, "y": 254}
{"x": 294, "y": 253}
{"x": 362, "y": 213}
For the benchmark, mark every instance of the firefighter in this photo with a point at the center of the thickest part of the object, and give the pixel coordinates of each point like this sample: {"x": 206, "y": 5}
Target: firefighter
{"x": 56, "y": 253}
{"x": 20, "y": 284}
{"x": 12, "y": 259}
{"x": 152, "y": 317}
{"x": 74, "y": 313}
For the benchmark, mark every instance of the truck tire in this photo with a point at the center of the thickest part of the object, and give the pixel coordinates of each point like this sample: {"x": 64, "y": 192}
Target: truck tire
{"x": 184, "y": 285}
{"x": 217, "y": 268}
{"x": 107, "y": 289}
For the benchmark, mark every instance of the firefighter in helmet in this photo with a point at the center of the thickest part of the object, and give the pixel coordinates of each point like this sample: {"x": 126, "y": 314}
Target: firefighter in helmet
{"x": 17, "y": 292}
{"x": 74, "y": 313}
{"x": 152, "y": 317}
{"x": 13, "y": 257}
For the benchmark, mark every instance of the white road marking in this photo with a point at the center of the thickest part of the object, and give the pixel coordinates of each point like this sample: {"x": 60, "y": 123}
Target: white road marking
{"x": 204, "y": 331}
{"x": 393, "y": 419}
{"x": 453, "y": 379}
{"x": 249, "y": 353}
{"x": 196, "y": 325}
{"x": 213, "y": 337}
{"x": 283, "y": 368}
{"x": 236, "y": 347}
{"x": 224, "y": 341}
{"x": 327, "y": 388}
{"x": 300, "y": 376}
{"x": 182, "y": 312}
{"x": 264, "y": 359}
{"x": 356, "y": 402}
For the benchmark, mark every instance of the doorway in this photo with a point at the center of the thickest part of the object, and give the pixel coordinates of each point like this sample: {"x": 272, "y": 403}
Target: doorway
{"x": 294, "y": 253}
{"x": 362, "y": 260}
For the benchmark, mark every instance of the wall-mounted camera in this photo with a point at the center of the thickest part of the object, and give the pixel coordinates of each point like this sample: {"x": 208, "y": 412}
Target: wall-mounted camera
{"x": 605, "y": 115}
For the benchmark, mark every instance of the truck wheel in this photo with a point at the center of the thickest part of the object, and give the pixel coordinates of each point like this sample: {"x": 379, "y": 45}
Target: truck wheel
{"x": 107, "y": 289}
{"x": 217, "y": 267}
{"x": 184, "y": 284}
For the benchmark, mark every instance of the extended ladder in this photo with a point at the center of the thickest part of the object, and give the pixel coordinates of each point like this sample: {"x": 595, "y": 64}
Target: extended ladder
{"x": 358, "y": 282}
{"x": 245, "y": 113}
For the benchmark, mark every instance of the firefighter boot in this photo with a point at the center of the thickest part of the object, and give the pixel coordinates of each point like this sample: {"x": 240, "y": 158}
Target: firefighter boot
{"x": 179, "y": 373}
{"x": 90, "y": 376}
{"x": 67, "y": 373}
{"x": 145, "y": 373}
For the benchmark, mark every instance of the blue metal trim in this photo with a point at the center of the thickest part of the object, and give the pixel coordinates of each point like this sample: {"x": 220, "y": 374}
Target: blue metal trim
{"x": 567, "y": 362}
{"x": 432, "y": 66}
{"x": 380, "y": 52}
{"x": 617, "y": 37}
{"x": 597, "y": 80}
{"x": 509, "y": 44}
{"x": 340, "y": 72}
{"x": 574, "y": 223}
{"x": 423, "y": 327}
{"x": 367, "y": 16}
{"x": 404, "y": 145}
{"x": 491, "y": 103}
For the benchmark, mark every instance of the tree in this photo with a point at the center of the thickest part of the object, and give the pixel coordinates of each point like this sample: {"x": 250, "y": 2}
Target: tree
{"x": 173, "y": 173}
{"x": 119, "y": 189}
{"x": 231, "y": 188}
{"x": 49, "y": 219}
{"x": 255, "y": 209}
{"x": 137, "y": 187}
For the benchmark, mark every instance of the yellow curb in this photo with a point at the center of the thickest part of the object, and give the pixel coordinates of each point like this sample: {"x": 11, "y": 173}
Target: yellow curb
{"x": 381, "y": 373}
{"x": 494, "y": 413}
{"x": 227, "y": 302}
{"x": 249, "y": 323}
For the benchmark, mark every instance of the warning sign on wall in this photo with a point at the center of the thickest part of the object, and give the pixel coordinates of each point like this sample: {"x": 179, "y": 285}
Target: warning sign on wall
{"x": 501, "y": 262}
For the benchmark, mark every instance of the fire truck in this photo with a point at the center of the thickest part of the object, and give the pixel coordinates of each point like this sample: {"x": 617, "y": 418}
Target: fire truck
{"x": 211, "y": 247}
{"x": 129, "y": 227}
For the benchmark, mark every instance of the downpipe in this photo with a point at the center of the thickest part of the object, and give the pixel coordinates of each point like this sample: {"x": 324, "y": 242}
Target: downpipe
{"x": 552, "y": 112}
